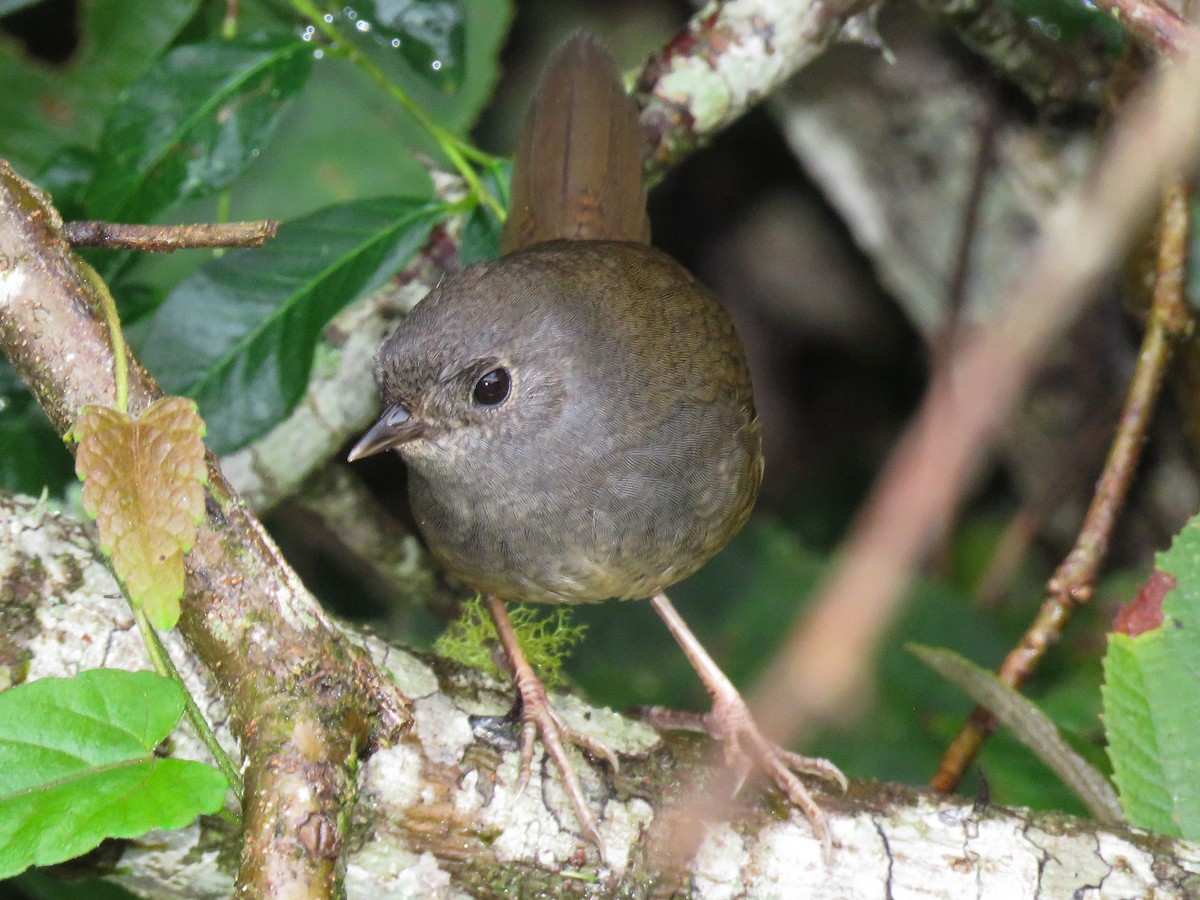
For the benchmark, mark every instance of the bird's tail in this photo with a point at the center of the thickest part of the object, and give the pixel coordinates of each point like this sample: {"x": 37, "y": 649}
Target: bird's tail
{"x": 578, "y": 171}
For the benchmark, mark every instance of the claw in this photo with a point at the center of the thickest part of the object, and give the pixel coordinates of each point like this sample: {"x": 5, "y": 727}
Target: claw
{"x": 539, "y": 719}
{"x": 746, "y": 748}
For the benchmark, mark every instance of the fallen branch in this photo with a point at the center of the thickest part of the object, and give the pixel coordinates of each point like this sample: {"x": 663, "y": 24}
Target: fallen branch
{"x": 440, "y": 817}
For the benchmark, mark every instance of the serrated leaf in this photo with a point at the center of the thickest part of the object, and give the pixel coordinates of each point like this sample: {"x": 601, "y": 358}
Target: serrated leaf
{"x": 1151, "y": 683}
{"x": 77, "y": 765}
{"x": 193, "y": 123}
{"x": 239, "y": 335}
{"x": 143, "y": 483}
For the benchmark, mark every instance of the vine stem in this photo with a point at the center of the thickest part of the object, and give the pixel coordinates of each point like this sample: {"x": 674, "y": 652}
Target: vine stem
{"x": 456, "y": 150}
{"x": 1073, "y": 581}
{"x": 120, "y": 362}
{"x": 161, "y": 660}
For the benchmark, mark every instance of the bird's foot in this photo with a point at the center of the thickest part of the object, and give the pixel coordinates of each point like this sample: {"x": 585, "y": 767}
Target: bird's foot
{"x": 538, "y": 719}
{"x": 747, "y": 750}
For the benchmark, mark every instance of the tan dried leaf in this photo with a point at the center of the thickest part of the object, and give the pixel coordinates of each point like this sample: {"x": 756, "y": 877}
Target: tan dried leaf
{"x": 143, "y": 483}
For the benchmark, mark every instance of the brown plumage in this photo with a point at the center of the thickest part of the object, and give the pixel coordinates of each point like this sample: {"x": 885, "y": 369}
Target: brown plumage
{"x": 577, "y": 417}
{"x": 626, "y": 451}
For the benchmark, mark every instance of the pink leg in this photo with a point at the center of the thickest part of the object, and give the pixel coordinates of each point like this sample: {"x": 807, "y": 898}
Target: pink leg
{"x": 538, "y": 718}
{"x": 745, "y": 746}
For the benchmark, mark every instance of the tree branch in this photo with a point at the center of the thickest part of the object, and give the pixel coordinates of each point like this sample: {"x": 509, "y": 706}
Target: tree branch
{"x": 730, "y": 55}
{"x": 168, "y": 238}
{"x": 302, "y": 700}
{"x": 442, "y": 819}
{"x": 1155, "y": 139}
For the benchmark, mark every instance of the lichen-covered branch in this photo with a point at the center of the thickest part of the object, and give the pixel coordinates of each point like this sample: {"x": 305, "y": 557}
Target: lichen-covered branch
{"x": 440, "y": 818}
{"x": 731, "y": 55}
{"x": 302, "y": 701}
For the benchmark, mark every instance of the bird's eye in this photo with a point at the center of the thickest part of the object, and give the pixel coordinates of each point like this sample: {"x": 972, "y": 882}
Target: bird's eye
{"x": 492, "y": 388}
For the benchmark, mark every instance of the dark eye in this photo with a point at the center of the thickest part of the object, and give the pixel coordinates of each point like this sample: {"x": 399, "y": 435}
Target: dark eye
{"x": 492, "y": 388}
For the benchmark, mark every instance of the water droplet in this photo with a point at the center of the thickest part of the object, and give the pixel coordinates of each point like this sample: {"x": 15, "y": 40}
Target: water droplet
{"x": 395, "y": 42}
{"x": 436, "y": 65}
{"x": 308, "y": 33}
{"x": 364, "y": 25}
{"x": 318, "y": 54}
{"x": 349, "y": 13}
{"x": 328, "y": 17}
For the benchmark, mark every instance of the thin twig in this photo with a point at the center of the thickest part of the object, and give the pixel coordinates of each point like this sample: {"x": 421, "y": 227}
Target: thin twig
{"x": 168, "y": 238}
{"x": 1064, "y": 480}
{"x": 1073, "y": 582}
{"x": 820, "y": 671}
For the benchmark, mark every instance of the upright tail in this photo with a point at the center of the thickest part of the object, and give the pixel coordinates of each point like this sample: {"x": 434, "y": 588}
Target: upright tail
{"x": 578, "y": 173}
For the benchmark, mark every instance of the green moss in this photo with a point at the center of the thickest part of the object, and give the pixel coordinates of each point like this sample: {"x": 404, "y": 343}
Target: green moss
{"x": 546, "y": 638}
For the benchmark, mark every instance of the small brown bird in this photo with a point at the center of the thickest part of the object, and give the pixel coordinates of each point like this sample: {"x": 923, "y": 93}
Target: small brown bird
{"x": 577, "y": 417}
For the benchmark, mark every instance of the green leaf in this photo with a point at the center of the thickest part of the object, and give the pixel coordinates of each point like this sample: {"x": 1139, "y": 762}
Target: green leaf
{"x": 77, "y": 765}
{"x": 193, "y": 123}
{"x": 1069, "y": 22}
{"x": 1151, "y": 683}
{"x": 66, "y": 176}
{"x": 1034, "y": 728}
{"x": 32, "y": 455}
{"x": 43, "y": 107}
{"x": 481, "y": 234}
{"x": 239, "y": 335}
{"x": 430, "y": 35}
{"x": 346, "y": 137}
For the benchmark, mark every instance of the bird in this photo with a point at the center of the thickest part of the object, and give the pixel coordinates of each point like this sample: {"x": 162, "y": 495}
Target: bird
{"x": 577, "y": 417}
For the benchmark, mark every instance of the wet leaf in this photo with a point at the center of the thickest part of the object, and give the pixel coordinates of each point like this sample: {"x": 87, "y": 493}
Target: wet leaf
{"x": 193, "y": 123}
{"x": 239, "y": 335}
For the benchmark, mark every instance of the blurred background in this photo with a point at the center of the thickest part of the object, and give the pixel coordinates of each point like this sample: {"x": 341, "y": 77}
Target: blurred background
{"x": 856, "y": 224}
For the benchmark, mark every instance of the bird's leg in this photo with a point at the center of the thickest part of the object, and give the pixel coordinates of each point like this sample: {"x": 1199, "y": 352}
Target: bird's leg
{"x": 538, "y": 718}
{"x": 745, "y": 745}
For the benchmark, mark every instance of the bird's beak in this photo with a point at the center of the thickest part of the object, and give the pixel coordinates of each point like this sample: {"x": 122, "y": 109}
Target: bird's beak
{"x": 396, "y": 426}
